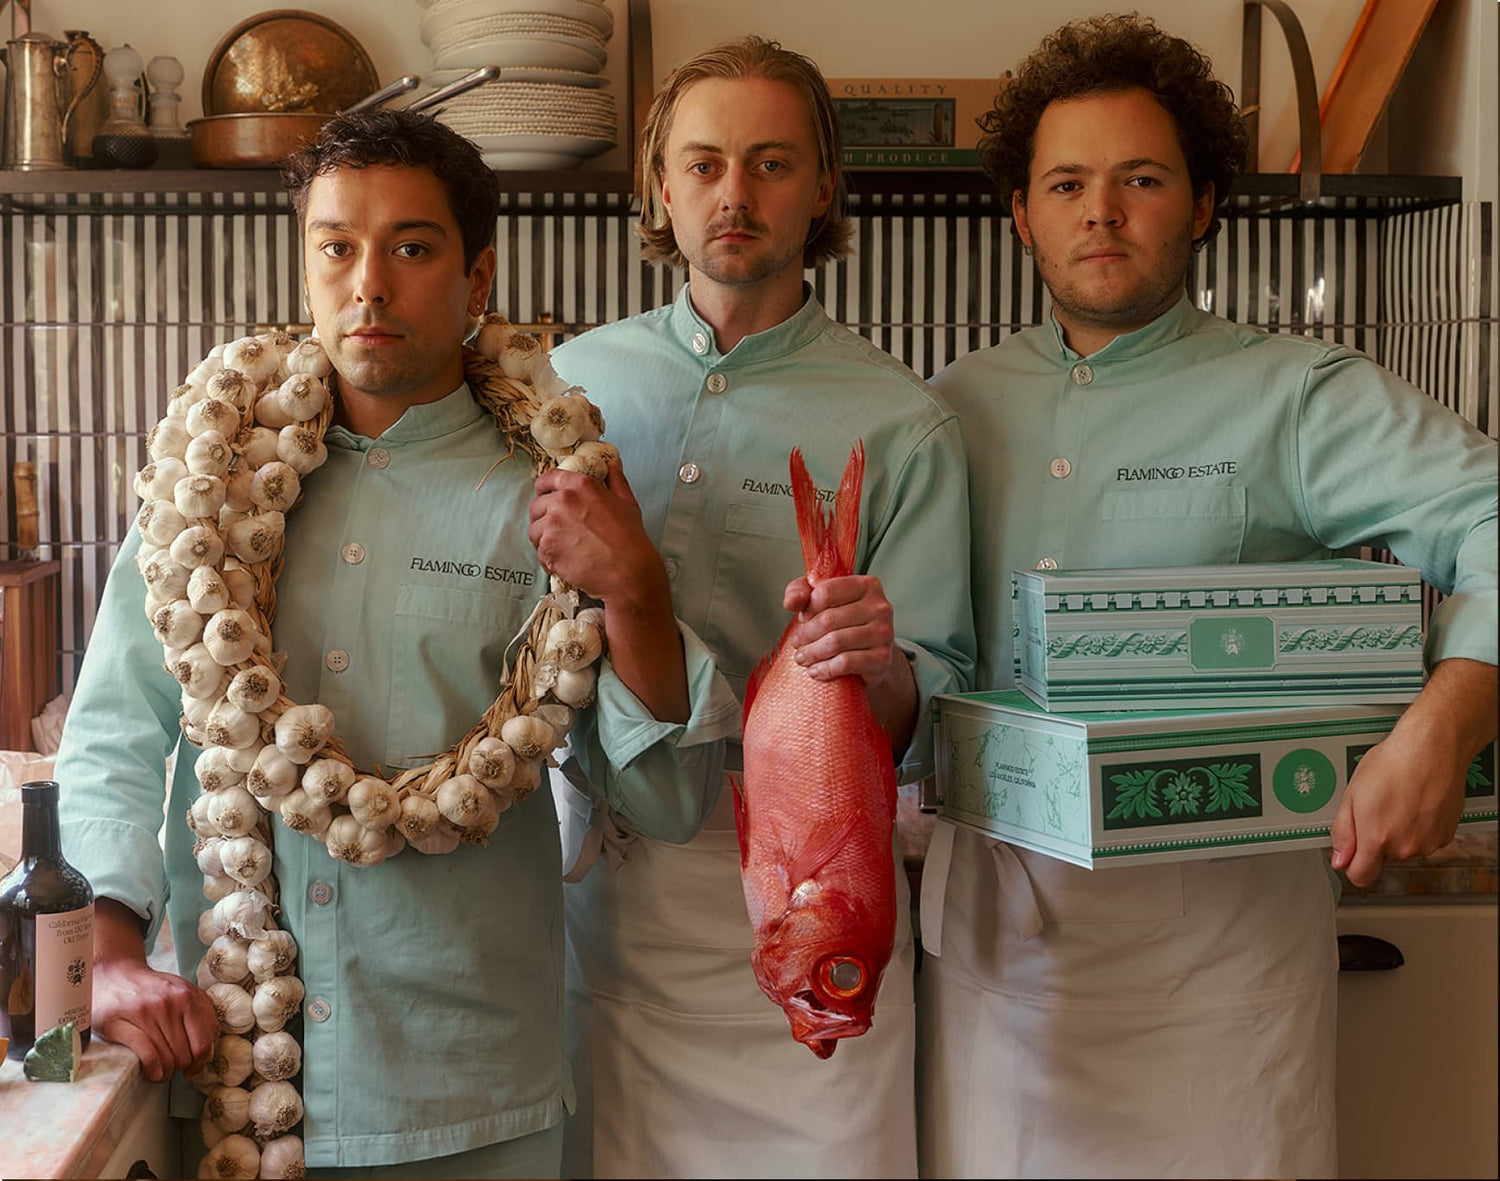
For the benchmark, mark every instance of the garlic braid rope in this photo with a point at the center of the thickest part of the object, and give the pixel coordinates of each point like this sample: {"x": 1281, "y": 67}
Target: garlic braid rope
{"x": 226, "y": 466}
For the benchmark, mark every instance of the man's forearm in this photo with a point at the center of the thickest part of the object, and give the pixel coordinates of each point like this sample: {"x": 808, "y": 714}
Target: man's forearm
{"x": 118, "y": 933}
{"x": 1457, "y": 706}
{"x": 645, "y": 649}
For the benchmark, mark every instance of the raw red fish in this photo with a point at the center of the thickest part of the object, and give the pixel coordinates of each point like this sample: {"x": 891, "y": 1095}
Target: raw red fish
{"x": 815, "y": 812}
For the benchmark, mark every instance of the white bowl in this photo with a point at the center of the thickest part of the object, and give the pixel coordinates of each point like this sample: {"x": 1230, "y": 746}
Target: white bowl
{"x": 546, "y": 53}
{"x": 537, "y": 151}
{"x": 442, "y": 13}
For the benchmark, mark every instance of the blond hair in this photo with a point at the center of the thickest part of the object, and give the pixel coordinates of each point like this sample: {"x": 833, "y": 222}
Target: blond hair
{"x": 750, "y": 57}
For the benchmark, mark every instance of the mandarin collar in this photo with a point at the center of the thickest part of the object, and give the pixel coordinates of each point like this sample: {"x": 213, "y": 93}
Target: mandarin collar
{"x": 1177, "y": 321}
{"x": 689, "y": 329}
{"x": 428, "y": 420}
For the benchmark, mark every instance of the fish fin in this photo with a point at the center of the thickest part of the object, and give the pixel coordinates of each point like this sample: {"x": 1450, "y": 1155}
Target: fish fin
{"x": 815, "y": 856}
{"x": 752, "y": 686}
{"x": 846, "y": 509}
{"x": 741, "y": 821}
{"x": 812, "y": 526}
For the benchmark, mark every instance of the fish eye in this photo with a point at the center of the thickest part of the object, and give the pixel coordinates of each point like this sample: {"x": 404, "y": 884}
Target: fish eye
{"x": 843, "y": 976}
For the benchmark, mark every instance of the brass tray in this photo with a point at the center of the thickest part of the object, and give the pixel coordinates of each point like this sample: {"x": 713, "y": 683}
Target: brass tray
{"x": 286, "y": 60}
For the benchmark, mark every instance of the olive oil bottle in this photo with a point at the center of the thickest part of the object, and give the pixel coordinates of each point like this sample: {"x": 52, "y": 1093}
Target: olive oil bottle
{"x": 46, "y": 931}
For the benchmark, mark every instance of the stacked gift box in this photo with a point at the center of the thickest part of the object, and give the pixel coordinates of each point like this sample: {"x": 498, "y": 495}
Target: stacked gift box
{"x": 1169, "y": 714}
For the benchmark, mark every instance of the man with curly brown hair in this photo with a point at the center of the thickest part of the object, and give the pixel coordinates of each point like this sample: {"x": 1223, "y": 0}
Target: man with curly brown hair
{"x": 1174, "y": 1019}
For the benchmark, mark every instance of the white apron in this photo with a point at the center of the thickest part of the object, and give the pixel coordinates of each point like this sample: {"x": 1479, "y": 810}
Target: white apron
{"x": 1157, "y": 1021}
{"x": 683, "y": 1067}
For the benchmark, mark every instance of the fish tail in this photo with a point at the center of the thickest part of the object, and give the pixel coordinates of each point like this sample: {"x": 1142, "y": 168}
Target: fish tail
{"x": 846, "y": 509}
{"x": 831, "y": 537}
{"x": 812, "y": 525}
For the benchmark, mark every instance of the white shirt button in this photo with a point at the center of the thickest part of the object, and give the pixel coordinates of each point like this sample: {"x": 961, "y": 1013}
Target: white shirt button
{"x": 674, "y": 568}
{"x": 1047, "y": 564}
{"x": 688, "y": 473}
{"x": 354, "y": 553}
{"x": 717, "y": 383}
{"x": 379, "y": 457}
{"x": 337, "y": 660}
{"x": 1082, "y": 375}
{"x": 700, "y": 343}
{"x": 319, "y": 1009}
{"x": 1060, "y": 468}
{"x": 321, "y": 893}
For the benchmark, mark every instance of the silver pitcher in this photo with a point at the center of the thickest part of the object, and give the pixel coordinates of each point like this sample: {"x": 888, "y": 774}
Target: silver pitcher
{"x": 40, "y": 100}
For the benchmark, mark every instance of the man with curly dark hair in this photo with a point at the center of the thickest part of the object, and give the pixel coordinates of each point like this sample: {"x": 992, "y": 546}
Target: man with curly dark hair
{"x": 1174, "y": 1019}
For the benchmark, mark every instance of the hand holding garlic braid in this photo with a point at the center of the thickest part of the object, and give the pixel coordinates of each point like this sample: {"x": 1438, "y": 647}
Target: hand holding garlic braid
{"x": 226, "y": 466}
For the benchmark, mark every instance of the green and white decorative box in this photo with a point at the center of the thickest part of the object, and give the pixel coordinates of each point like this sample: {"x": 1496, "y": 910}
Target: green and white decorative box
{"x": 1206, "y": 637}
{"x": 1102, "y": 789}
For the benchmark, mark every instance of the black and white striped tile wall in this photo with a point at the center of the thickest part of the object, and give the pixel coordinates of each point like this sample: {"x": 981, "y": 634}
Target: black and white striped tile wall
{"x": 104, "y": 305}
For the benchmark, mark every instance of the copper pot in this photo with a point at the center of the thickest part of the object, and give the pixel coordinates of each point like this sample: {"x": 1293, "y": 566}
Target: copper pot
{"x": 264, "y": 139}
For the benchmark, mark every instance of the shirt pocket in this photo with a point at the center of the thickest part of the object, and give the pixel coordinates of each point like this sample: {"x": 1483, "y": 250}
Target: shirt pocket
{"x": 448, "y": 649}
{"x": 1171, "y": 527}
{"x": 759, "y": 554}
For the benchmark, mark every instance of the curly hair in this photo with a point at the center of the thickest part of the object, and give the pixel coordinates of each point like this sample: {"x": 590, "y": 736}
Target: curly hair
{"x": 1103, "y": 55}
{"x": 404, "y": 139}
{"x": 749, "y": 57}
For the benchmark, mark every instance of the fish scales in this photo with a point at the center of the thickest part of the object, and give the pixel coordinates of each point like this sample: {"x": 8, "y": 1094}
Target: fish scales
{"x": 816, "y": 811}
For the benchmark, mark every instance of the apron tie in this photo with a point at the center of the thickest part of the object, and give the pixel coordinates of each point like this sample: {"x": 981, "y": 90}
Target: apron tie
{"x": 1017, "y": 894}
{"x": 1016, "y": 891}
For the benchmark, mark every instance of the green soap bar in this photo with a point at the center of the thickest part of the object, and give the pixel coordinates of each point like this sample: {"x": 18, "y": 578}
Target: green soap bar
{"x": 56, "y": 1055}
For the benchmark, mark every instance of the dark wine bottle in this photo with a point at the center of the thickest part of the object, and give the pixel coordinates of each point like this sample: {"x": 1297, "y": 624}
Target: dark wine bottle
{"x": 46, "y": 931}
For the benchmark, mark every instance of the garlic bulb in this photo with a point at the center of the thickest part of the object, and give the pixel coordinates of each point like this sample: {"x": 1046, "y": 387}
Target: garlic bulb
{"x": 253, "y": 357}
{"x": 349, "y": 840}
{"x": 273, "y": 776}
{"x": 209, "y": 454}
{"x": 545, "y": 381}
{"x": 574, "y": 644}
{"x": 226, "y": 959}
{"x": 213, "y": 414}
{"x": 210, "y": 1132}
{"x": 395, "y": 842}
{"x": 257, "y": 538}
{"x": 300, "y": 446}
{"x": 260, "y": 446}
{"x": 373, "y": 803}
{"x": 198, "y": 818}
{"x": 232, "y": 1157}
{"x": 198, "y": 496}
{"x": 303, "y": 396}
{"x": 206, "y": 854}
{"x": 443, "y": 838}
{"x": 196, "y": 711}
{"x": 529, "y": 737}
{"x": 494, "y": 336}
{"x": 270, "y": 955}
{"x": 559, "y": 423}
{"x": 214, "y": 772}
{"x": 197, "y": 672}
{"x": 308, "y": 357}
{"x": 240, "y": 585}
{"x": 517, "y": 357}
{"x": 492, "y": 762}
{"x": 303, "y": 730}
{"x": 164, "y": 578}
{"x": 254, "y": 689}
{"x": 243, "y": 913}
{"x": 478, "y": 832}
{"x": 276, "y": 1002}
{"x": 237, "y": 487}
{"x": 229, "y": 725}
{"x": 463, "y": 800}
{"x": 594, "y": 615}
{"x": 177, "y": 625}
{"x": 277, "y": 1056}
{"x": 302, "y": 814}
{"x": 246, "y": 860}
{"x": 156, "y": 480}
{"x": 231, "y": 387}
{"x": 196, "y": 545}
{"x": 160, "y": 523}
{"x": 233, "y": 811}
{"x": 282, "y": 1159}
{"x": 592, "y": 466}
{"x": 229, "y": 1065}
{"x": 169, "y": 437}
{"x": 575, "y": 688}
{"x": 233, "y": 1006}
{"x": 527, "y": 778}
{"x": 242, "y": 758}
{"x": 275, "y": 486}
{"x": 217, "y": 886}
{"x": 206, "y": 592}
{"x": 205, "y": 369}
{"x": 274, "y": 1107}
{"x": 328, "y": 780}
{"x": 419, "y": 815}
{"x": 272, "y": 412}
{"x": 230, "y": 636}
{"x": 228, "y": 1107}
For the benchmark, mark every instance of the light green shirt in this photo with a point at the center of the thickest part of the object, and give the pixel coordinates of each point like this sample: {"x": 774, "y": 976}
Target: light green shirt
{"x": 706, "y": 439}
{"x": 1194, "y": 441}
{"x": 440, "y": 978}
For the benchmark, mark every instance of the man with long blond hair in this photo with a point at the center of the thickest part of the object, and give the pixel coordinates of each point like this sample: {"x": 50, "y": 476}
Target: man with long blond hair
{"x": 684, "y": 1068}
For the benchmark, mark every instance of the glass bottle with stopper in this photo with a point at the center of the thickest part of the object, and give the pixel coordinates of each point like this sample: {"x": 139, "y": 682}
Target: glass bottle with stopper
{"x": 124, "y": 140}
{"x": 165, "y": 74}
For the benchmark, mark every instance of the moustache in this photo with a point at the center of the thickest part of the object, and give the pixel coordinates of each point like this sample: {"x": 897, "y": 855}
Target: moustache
{"x": 1112, "y": 245}
{"x": 739, "y": 223}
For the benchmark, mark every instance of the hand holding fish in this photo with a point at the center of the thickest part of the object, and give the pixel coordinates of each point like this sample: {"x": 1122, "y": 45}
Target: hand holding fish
{"x": 846, "y": 627}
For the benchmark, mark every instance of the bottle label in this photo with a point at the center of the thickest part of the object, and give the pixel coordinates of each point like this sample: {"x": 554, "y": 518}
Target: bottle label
{"x": 64, "y": 968}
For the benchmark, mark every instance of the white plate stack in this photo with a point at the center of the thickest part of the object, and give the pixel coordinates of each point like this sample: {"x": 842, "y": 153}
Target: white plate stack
{"x": 550, "y": 107}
